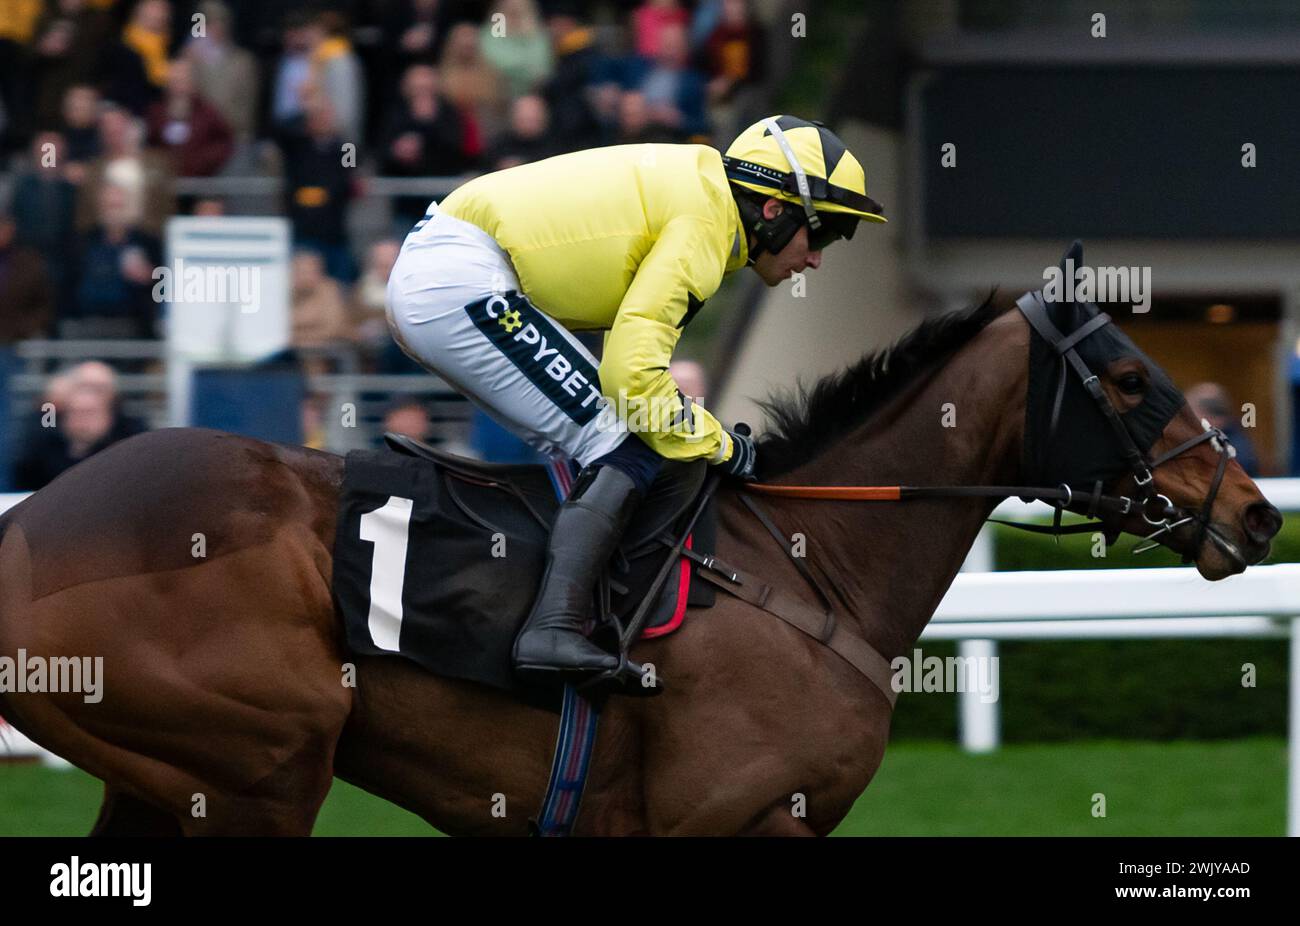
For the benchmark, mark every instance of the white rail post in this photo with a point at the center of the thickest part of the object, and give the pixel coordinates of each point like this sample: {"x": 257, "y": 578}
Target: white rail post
{"x": 978, "y": 722}
{"x": 1293, "y": 739}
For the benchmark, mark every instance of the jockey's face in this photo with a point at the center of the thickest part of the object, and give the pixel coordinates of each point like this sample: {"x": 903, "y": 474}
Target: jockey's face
{"x": 793, "y": 258}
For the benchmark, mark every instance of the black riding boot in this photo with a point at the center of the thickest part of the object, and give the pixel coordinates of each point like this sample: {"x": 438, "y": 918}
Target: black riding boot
{"x": 551, "y": 645}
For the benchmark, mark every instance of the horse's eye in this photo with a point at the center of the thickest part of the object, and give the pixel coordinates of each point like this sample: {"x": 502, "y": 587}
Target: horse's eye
{"x": 1131, "y": 384}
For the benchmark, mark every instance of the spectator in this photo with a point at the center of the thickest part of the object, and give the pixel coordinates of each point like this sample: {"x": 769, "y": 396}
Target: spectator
{"x": 145, "y": 175}
{"x": 88, "y": 422}
{"x": 135, "y": 68}
{"x": 407, "y": 415}
{"x": 673, "y": 90}
{"x": 226, "y": 73}
{"x": 317, "y": 185}
{"x": 44, "y": 207}
{"x": 68, "y": 48}
{"x": 1211, "y": 402}
{"x": 369, "y": 296}
{"x": 81, "y": 123}
{"x": 734, "y": 55}
{"x": 320, "y": 315}
{"x": 579, "y": 70}
{"x": 425, "y": 137}
{"x": 517, "y": 46}
{"x": 471, "y": 85}
{"x": 414, "y": 33}
{"x": 114, "y": 290}
{"x": 86, "y": 417}
{"x": 148, "y": 33}
{"x": 292, "y": 72}
{"x": 650, "y": 21}
{"x": 191, "y": 128}
{"x": 26, "y": 296}
{"x": 97, "y": 375}
{"x": 528, "y": 138}
{"x": 734, "y": 51}
{"x": 337, "y": 72}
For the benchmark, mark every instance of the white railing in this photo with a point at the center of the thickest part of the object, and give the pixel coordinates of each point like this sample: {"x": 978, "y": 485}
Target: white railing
{"x": 983, "y": 607}
{"x": 979, "y": 722}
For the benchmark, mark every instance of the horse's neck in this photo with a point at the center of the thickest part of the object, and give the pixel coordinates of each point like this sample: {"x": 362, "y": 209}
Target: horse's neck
{"x": 892, "y": 561}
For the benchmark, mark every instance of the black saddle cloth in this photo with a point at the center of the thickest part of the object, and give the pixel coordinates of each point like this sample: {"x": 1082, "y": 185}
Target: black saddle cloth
{"x": 438, "y": 558}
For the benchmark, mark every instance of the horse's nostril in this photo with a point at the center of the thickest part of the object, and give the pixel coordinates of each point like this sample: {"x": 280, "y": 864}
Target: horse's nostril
{"x": 1262, "y": 522}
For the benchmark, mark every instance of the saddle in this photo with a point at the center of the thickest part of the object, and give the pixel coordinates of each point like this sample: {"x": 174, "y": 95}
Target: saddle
{"x": 471, "y": 538}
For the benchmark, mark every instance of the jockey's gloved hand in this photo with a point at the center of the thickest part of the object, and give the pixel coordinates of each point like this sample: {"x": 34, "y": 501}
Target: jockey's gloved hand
{"x": 744, "y": 456}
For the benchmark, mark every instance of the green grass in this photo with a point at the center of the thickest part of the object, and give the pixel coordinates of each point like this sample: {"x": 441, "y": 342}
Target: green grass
{"x": 349, "y": 811}
{"x": 1234, "y": 787}
{"x": 1224, "y": 788}
{"x": 36, "y": 801}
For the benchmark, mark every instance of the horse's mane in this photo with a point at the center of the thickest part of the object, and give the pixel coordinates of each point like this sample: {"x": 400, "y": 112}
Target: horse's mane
{"x": 803, "y": 422}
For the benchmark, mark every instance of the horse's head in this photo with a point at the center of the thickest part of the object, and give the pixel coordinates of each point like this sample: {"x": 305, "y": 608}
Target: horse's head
{"x": 1099, "y": 411}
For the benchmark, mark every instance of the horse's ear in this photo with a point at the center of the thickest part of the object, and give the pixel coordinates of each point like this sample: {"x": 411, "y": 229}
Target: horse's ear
{"x": 1060, "y": 293}
{"x": 1071, "y": 261}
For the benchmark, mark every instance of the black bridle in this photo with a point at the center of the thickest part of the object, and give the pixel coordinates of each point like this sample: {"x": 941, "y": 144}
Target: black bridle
{"x": 1157, "y": 510}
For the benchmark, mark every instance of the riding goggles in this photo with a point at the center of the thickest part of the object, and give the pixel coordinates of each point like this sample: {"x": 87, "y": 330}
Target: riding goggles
{"x": 833, "y": 227}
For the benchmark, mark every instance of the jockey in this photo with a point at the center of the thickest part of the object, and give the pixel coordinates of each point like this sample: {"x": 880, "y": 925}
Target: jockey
{"x": 630, "y": 239}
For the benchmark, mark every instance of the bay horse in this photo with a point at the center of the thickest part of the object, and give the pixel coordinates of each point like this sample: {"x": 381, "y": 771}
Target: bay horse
{"x": 226, "y": 707}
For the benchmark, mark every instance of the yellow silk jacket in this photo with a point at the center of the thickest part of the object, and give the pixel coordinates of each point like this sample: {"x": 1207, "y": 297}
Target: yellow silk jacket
{"x": 630, "y": 239}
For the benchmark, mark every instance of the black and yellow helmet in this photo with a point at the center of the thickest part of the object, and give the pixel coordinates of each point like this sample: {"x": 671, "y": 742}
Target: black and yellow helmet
{"x": 804, "y": 163}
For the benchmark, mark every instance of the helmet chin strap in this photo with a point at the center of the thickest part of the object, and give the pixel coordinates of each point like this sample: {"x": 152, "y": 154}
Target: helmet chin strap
{"x": 772, "y": 235}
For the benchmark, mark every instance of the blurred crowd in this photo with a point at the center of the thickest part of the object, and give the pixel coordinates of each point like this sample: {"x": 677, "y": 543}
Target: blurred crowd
{"x": 106, "y": 102}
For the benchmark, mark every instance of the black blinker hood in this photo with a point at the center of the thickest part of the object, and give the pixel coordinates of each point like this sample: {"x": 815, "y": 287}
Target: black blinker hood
{"x": 1084, "y": 448}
